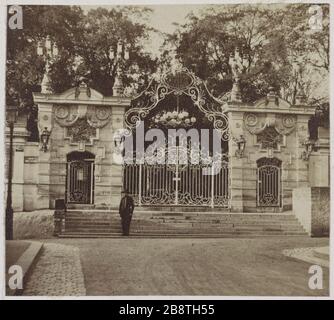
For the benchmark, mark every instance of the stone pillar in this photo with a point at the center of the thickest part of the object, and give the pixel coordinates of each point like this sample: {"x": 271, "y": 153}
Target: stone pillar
{"x": 235, "y": 163}
{"x": 44, "y": 121}
{"x": 302, "y": 135}
{"x": 116, "y": 168}
{"x": 31, "y": 165}
{"x": 19, "y": 140}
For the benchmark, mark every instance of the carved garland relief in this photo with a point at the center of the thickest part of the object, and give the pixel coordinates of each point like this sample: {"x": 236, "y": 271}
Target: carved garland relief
{"x": 270, "y": 130}
{"x": 81, "y": 122}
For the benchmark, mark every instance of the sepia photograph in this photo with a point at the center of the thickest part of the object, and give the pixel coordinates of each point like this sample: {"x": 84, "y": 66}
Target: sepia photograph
{"x": 166, "y": 150}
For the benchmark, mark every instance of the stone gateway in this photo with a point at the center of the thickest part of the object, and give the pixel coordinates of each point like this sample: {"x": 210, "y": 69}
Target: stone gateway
{"x": 266, "y": 154}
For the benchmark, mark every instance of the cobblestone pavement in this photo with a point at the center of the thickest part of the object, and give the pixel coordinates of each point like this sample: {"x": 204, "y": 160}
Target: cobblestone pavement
{"x": 239, "y": 267}
{"x": 58, "y": 272}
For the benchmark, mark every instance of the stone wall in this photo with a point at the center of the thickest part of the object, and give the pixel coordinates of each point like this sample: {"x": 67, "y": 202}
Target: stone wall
{"x": 311, "y": 206}
{"x": 302, "y": 207}
{"x": 259, "y": 125}
{"x": 320, "y": 211}
{"x": 80, "y": 120}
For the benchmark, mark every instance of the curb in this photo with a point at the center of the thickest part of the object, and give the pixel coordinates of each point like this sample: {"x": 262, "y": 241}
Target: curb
{"x": 26, "y": 261}
{"x": 306, "y": 255}
{"x": 321, "y": 253}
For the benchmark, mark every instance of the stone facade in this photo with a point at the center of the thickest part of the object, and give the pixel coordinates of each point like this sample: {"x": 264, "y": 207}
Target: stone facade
{"x": 271, "y": 128}
{"x": 84, "y": 121}
{"x": 78, "y": 122}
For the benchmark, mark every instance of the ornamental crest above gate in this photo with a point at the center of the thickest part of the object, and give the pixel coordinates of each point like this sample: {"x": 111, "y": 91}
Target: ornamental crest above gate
{"x": 179, "y": 82}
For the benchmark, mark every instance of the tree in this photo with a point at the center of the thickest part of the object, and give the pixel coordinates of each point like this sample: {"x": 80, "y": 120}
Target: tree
{"x": 278, "y": 48}
{"x": 101, "y": 30}
{"x": 25, "y": 69}
{"x": 83, "y": 41}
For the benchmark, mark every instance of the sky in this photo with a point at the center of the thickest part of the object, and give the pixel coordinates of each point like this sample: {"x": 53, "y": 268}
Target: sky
{"x": 163, "y": 19}
{"x": 164, "y": 16}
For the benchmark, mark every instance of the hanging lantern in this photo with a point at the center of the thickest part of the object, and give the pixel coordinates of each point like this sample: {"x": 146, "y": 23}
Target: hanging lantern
{"x": 119, "y": 46}
{"x": 111, "y": 54}
{"x": 48, "y": 43}
{"x": 55, "y": 50}
{"x": 40, "y": 48}
{"x": 126, "y": 53}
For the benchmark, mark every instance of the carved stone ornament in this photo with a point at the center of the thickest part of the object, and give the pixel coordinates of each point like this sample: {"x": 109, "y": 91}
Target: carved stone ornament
{"x": 269, "y": 138}
{"x": 283, "y": 123}
{"x": 96, "y": 116}
{"x": 81, "y": 131}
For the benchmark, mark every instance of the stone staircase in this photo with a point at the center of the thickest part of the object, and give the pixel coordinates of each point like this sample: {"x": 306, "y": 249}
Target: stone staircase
{"x": 180, "y": 224}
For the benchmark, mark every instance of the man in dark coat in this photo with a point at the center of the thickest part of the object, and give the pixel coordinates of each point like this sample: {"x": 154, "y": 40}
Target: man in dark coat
{"x": 125, "y": 211}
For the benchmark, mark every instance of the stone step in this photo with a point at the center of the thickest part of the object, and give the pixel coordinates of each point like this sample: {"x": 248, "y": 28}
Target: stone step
{"x": 190, "y": 232}
{"x": 181, "y": 223}
{"x": 176, "y": 235}
{"x": 103, "y": 213}
{"x": 221, "y": 216}
{"x": 193, "y": 227}
{"x": 141, "y": 224}
{"x": 158, "y": 227}
{"x": 185, "y": 218}
{"x": 184, "y": 224}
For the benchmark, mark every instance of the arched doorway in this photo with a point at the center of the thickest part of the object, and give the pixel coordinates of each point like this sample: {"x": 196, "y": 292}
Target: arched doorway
{"x": 80, "y": 178}
{"x": 179, "y": 100}
{"x": 269, "y": 187}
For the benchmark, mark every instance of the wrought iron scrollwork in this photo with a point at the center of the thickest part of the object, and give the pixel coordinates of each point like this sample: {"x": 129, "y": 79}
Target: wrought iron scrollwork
{"x": 181, "y": 82}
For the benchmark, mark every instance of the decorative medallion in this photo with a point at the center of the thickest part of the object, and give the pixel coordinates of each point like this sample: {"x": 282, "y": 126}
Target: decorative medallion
{"x": 62, "y": 112}
{"x": 96, "y": 116}
{"x": 102, "y": 113}
{"x": 250, "y": 120}
{"x": 99, "y": 117}
{"x": 284, "y": 124}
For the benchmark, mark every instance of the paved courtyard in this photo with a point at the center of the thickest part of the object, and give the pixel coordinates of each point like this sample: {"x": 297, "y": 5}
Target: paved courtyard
{"x": 57, "y": 272}
{"x": 195, "y": 266}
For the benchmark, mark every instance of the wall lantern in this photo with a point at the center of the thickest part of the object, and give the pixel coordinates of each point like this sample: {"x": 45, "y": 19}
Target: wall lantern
{"x": 11, "y": 114}
{"x": 118, "y": 139}
{"x": 309, "y": 147}
{"x": 241, "y": 144}
{"x": 45, "y": 136}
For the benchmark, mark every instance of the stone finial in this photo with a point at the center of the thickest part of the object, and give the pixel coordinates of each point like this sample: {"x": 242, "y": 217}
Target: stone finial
{"x": 235, "y": 93}
{"x": 82, "y": 86}
{"x": 235, "y": 63}
{"x": 46, "y": 81}
{"x": 300, "y": 97}
{"x": 272, "y": 96}
{"x": 49, "y": 51}
{"x": 118, "y": 87}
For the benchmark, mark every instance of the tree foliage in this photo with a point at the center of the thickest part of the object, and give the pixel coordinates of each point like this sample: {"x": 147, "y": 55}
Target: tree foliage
{"x": 278, "y": 48}
{"x": 83, "y": 40}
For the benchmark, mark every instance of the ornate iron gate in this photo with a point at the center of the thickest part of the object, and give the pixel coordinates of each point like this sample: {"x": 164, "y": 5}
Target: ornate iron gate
{"x": 177, "y": 184}
{"x": 269, "y": 182}
{"x": 80, "y": 181}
